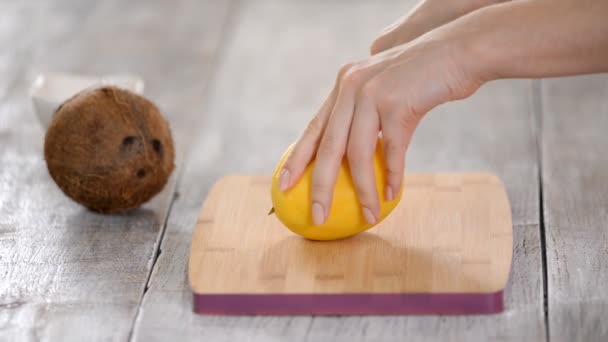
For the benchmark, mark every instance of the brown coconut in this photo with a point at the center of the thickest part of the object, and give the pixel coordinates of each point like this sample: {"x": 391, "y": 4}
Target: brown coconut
{"x": 109, "y": 149}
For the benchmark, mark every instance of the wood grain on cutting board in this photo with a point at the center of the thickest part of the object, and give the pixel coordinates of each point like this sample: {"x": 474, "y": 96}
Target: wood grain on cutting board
{"x": 451, "y": 233}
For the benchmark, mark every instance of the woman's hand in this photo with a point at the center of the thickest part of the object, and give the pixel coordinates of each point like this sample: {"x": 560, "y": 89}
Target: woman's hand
{"x": 426, "y": 16}
{"x": 389, "y": 93}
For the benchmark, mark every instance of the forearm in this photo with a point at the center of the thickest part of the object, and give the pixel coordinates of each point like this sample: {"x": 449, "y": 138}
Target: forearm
{"x": 424, "y": 17}
{"x": 535, "y": 38}
{"x": 430, "y": 14}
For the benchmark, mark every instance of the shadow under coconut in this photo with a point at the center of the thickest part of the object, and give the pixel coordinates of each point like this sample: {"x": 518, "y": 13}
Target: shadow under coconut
{"x": 109, "y": 253}
{"x": 137, "y": 219}
{"x": 107, "y": 233}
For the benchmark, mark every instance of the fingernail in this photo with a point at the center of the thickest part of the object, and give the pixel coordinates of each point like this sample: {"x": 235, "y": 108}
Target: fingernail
{"x": 284, "y": 180}
{"x": 369, "y": 217}
{"x": 388, "y": 193}
{"x": 318, "y": 214}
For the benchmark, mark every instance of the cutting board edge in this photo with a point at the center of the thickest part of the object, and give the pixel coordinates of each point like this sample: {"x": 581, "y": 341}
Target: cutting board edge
{"x": 351, "y": 304}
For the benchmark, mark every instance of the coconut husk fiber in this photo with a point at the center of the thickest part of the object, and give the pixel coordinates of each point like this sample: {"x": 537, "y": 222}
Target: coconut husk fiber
{"x": 109, "y": 149}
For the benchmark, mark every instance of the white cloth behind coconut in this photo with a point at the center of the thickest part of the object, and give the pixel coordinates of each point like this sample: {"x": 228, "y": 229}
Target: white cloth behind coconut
{"x": 51, "y": 90}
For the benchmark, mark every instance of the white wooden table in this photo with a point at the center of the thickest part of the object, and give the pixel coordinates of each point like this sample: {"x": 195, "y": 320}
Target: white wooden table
{"x": 238, "y": 81}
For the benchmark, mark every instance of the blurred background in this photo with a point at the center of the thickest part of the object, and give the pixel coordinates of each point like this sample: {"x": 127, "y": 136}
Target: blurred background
{"x": 238, "y": 81}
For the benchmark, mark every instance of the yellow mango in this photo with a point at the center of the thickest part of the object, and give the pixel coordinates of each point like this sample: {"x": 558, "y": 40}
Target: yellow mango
{"x": 345, "y": 219}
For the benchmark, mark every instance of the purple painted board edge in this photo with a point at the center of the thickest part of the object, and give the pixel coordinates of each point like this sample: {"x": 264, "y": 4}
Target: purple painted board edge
{"x": 350, "y": 304}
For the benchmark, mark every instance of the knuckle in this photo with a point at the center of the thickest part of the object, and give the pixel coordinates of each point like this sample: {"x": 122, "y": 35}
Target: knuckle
{"x": 391, "y": 145}
{"x": 371, "y": 89}
{"x": 320, "y": 188}
{"x": 393, "y": 174}
{"x": 389, "y": 102}
{"x": 405, "y": 119}
{"x": 367, "y": 195}
{"x": 355, "y": 154}
{"x": 330, "y": 146}
{"x": 374, "y": 48}
{"x": 344, "y": 69}
{"x": 352, "y": 78}
{"x": 292, "y": 159}
{"x": 289, "y": 161}
{"x": 394, "y": 154}
{"x": 378, "y": 45}
{"x": 315, "y": 126}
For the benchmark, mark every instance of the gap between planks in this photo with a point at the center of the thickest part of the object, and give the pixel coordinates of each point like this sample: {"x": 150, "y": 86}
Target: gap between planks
{"x": 225, "y": 35}
{"x": 537, "y": 111}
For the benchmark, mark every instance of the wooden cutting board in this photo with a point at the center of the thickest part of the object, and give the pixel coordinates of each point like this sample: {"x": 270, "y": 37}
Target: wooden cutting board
{"x": 445, "y": 249}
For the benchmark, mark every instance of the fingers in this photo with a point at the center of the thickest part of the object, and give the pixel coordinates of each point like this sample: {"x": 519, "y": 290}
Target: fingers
{"x": 397, "y": 33}
{"x": 383, "y": 42}
{"x": 394, "y": 144}
{"x": 306, "y": 146}
{"x": 398, "y": 122}
{"x": 405, "y": 32}
{"x": 331, "y": 152}
{"x": 360, "y": 151}
{"x": 389, "y": 35}
{"x": 426, "y": 16}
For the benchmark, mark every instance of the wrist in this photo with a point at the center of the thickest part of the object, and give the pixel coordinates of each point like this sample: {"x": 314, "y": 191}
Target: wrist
{"x": 479, "y": 56}
{"x": 474, "y": 46}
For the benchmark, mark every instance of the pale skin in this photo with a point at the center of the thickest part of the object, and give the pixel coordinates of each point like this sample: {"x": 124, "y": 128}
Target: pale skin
{"x": 439, "y": 52}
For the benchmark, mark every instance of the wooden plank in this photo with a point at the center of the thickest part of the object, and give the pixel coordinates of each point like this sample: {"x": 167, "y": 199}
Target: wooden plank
{"x": 67, "y": 273}
{"x": 280, "y": 63}
{"x": 575, "y": 199}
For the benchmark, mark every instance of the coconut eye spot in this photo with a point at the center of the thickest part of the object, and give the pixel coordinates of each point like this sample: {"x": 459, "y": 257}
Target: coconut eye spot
{"x": 106, "y": 90}
{"x": 141, "y": 173}
{"x": 128, "y": 141}
{"x": 157, "y": 146}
